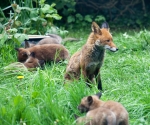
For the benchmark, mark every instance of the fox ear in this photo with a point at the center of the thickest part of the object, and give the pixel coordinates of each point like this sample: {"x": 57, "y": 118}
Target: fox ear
{"x": 32, "y": 54}
{"x": 17, "y": 49}
{"x": 27, "y": 45}
{"x": 99, "y": 94}
{"x": 90, "y": 100}
{"x": 105, "y": 25}
{"x": 76, "y": 116}
{"x": 96, "y": 28}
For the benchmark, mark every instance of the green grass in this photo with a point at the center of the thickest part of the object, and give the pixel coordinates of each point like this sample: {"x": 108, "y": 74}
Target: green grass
{"x": 42, "y": 99}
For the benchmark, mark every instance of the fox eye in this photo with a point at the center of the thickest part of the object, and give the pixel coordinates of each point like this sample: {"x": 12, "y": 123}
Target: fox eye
{"x": 107, "y": 40}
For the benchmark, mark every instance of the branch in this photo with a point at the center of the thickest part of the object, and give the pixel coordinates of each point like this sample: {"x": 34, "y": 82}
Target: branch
{"x": 132, "y": 3}
{"x": 144, "y": 8}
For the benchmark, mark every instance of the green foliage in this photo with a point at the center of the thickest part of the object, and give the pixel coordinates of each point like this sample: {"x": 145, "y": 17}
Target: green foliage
{"x": 119, "y": 12}
{"x": 100, "y": 18}
{"x": 141, "y": 41}
{"x": 28, "y": 20}
{"x": 3, "y": 38}
{"x": 145, "y": 39}
{"x": 48, "y": 11}
{"x": 80, "y": 21}
{"x": 67, "y": 7}
{"x": 88, "y": 18}
{"x": 123, "y": 13}
{"x": 32, "y": 20}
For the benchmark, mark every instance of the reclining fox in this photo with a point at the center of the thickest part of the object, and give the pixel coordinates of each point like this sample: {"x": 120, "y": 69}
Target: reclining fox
{"x": 46, "y": 52}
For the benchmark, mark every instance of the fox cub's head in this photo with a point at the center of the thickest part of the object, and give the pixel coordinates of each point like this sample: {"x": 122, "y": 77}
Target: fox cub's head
{"x": 33, "y": 62}
{"x": 89, "y": 103}
{"x": 102, "y": 36}
{"x": 22, "y": 54}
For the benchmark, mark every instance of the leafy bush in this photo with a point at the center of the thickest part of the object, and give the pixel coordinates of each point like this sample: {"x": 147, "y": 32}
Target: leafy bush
{"x": 29, "y": 20}
{"x": 78, "y": 20}
{"x": 116, "y": 12}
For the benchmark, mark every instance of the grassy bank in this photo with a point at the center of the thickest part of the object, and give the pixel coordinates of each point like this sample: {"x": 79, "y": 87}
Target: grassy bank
{"x": 41, "y": 98}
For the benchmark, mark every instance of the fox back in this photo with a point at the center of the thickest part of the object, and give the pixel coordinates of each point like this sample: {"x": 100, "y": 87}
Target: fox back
{"x": 52, "y": 39}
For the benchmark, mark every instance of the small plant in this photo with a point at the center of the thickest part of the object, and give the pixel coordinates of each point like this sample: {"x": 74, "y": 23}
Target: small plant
{"x": 144, "y": 39}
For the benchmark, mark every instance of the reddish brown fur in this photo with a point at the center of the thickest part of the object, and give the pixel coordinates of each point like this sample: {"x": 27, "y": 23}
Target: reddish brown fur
{"x": 91, "y": 103}
{"x": 33, "y": 62}
{"x": 47, "y": 52}
{"x": 73, "y": 68}
{"x": 91, "y": 56}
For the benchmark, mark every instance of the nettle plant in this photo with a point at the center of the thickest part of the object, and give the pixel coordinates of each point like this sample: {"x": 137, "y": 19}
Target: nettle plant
{"x": 29, "y": 20}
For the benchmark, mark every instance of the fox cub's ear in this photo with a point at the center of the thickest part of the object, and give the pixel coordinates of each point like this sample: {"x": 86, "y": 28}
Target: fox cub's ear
{"x": 99, "y": 94}
{"x": 96, "y": 28}
{"x": 32, "y": 54}
{"x": 27, "y": 45}
{"x": 17, "y": 49}
{"x": 90, "y": 100}
{"x": 105, "y": 25}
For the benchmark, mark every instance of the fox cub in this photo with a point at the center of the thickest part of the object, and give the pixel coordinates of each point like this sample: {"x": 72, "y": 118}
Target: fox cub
{"x": 33, "y": 62}
{"x": 106, "y": 113}
{"x": 89, "y": 59}
{"x": 46, "y": 52}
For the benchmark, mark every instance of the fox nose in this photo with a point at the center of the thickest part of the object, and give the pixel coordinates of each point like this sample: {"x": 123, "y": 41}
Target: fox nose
{"x": 80, "y": 109}
{"x": 117, "y": 49}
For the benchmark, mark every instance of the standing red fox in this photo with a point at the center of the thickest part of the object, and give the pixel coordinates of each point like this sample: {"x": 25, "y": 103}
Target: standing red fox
{"x": 90, "y": 58}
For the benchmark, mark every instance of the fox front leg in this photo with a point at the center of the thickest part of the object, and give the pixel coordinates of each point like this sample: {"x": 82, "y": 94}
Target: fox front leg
{"x": 83, "y": 72}
{"x": 98, "y": 79}
{"x": 85, "y": 75}
{"x": 99, "y": 82}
